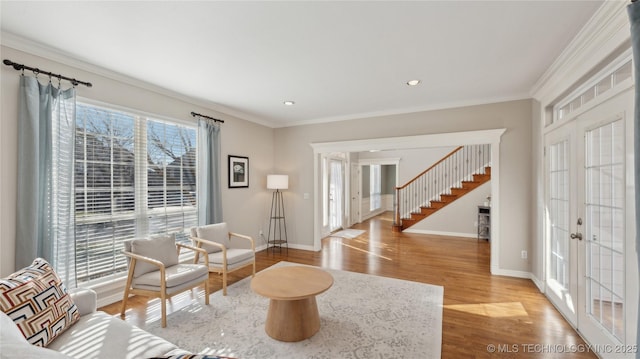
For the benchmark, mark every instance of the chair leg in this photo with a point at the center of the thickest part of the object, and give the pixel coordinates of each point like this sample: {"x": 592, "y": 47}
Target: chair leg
{"x": 163, "y": 299}
{"x": 206, "y": 291}
{"x": 224, "y": 282}
{"x": 124, "y": 301}
{"x": 127, "y": 287}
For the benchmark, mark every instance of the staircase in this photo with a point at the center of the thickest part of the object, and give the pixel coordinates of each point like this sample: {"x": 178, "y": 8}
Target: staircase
{"x": 458, "y": 173}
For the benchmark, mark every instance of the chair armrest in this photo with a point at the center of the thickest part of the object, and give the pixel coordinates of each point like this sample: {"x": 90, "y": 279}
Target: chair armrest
{"x": 204, "y": 241}
{"x": 85, "y": 299}
{"x": 242, "y": 236}
{"x": 197, "y": 250}
{"x": 200, "y": 241}
{"x": 143, "y": 258}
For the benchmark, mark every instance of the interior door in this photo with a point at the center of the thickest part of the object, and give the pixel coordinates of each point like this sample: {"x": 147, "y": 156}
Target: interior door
{"x": 608, "y": 275}
{"x": 561, "y": 211}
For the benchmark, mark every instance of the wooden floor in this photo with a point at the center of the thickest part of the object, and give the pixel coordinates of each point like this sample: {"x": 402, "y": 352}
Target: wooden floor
{"x": 480, "y": 310}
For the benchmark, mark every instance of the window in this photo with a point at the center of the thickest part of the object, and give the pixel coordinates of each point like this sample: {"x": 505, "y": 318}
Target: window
{"x": 375, "y": 188}
{"x": 610, "y": 80}
{"x": 134, "y": 176}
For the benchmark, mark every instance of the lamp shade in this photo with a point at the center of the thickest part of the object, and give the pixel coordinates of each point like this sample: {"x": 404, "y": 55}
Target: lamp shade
{"x": 277, "y": 181}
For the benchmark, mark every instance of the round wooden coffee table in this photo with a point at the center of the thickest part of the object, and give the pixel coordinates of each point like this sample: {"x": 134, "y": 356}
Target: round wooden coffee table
{"x": 293, "y": 311}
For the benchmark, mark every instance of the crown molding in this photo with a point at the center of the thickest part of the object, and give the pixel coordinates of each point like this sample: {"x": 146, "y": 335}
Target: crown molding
{"x": 19, "y": 43}
{"x": 606, "y": 31}
{"x": 416, "y": 141}
{"x": 394, "y": 112}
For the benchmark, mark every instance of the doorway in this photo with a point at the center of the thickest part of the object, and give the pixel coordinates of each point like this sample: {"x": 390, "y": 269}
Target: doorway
{"x": 333, "y": 192}
{"x": 323, "y": 149}
{"x": 591, "y": 270}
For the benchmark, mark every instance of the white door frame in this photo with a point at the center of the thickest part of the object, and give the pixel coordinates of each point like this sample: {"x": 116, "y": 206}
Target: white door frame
{"x": 491, "y": 137}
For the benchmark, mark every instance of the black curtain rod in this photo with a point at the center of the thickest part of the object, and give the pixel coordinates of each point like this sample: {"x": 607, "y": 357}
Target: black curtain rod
{"x": 205, "y": 116}
{"x": 50, "y": 74}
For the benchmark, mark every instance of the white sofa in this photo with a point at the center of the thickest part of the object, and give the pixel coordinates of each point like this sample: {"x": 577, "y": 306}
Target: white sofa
{"x": 95, "y": 335}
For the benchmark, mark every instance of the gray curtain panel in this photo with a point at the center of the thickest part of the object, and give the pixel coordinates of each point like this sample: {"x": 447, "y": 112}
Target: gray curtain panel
{"x": 209, "y": 192}
{"x": 46, "y": 139}
{"x": 634, "y": 18}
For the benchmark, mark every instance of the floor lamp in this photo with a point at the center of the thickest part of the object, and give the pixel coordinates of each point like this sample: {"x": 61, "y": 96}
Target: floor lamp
{"x": 277, "y": 220}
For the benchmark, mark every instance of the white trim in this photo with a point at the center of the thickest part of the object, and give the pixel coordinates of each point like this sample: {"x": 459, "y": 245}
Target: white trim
{"x": 606, "y": 31}
{"x": 511, "y": 273}
{"x": 379, "y": 161}
{"x": 400, "y": 111}
{"x": 442, "y": 233}
{"x": 406, "y": 142}
{"x": 539, "y": 283}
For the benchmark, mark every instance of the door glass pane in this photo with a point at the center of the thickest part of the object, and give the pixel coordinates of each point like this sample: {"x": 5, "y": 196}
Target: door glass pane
{"x": 559, "y": 212}
{"x": 604, "y": 231}
{"x": 335, "y": 195}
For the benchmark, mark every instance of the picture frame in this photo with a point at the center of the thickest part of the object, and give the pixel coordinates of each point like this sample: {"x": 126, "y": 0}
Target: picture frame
{"x": 238, "y": 171}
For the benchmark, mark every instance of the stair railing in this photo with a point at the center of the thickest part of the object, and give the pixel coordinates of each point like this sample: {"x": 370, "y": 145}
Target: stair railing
{"x": 449, "y": 172}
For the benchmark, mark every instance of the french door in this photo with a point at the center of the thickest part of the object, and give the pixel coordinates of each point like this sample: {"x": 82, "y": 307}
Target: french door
{"x": 333, "y": 184}
{"x": 591, "y": 266}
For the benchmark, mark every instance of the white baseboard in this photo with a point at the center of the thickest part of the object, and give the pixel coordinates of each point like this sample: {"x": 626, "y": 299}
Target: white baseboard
{"x": 540, "y": 284}
{"x": 510, "y": 273}
{"x": 440, "y": 233}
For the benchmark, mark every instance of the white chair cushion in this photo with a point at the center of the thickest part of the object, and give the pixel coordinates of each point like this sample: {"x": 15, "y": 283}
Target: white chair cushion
{"x": 234, "y": 256}
{"x": 161, "y": 248}
{"x": 176, "y": 275}
{"x": 218, "y": 233}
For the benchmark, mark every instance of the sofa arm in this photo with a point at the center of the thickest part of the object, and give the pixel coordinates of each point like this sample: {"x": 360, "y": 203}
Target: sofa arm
{"x": 85, "y": 299}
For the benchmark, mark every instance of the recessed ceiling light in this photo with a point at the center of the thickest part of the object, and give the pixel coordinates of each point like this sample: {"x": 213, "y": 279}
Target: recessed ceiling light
{"x": 413, "y": 82}
{"x": 289, "y": 103}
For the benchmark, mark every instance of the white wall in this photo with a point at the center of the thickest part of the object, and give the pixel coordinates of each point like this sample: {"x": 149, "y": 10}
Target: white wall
{"x": 241, "y": 207}
{"x": 412, "y": 161}
{"x": 459, "y": 218}
{"x": 295, "y": 157}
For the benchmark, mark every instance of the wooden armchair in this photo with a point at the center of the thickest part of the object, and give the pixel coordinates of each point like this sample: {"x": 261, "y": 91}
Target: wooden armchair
{"x": 155, "y": 271}
{"x": 226, "y": 251}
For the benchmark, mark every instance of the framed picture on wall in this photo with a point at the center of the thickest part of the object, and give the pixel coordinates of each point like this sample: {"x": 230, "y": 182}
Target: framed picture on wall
{"x": 238, "y": 171}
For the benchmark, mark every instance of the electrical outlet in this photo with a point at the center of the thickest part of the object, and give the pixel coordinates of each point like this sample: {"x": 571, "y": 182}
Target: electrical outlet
{"x": 260, "y": 233}
{"x": 523, "y": 254}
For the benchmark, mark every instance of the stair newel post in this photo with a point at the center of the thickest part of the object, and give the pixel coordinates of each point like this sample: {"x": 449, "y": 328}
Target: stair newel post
{"x": 396, "y": 215}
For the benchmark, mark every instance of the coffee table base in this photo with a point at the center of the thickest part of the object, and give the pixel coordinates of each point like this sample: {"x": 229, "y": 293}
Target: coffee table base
{"x": 292, "y": 320}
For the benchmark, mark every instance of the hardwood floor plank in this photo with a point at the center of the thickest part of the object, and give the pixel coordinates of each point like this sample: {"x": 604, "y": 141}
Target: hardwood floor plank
{"x": 479, "y": 309}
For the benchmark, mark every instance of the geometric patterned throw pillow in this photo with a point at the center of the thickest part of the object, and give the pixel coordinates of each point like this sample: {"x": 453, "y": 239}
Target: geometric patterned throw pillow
{"x": 37, "y": 301}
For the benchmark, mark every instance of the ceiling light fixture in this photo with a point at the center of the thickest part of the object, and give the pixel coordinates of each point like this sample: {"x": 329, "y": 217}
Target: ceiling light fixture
{"x": 289, "y": 103}
{"x": 413, "y": 82}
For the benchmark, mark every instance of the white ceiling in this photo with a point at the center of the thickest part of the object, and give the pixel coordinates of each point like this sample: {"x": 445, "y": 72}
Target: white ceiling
{"x": 336, "y": 60}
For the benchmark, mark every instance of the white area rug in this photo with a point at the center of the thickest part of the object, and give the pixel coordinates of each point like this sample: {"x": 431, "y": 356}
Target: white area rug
{"x": 362, "y": 316}
{"x": 347, "y": 233}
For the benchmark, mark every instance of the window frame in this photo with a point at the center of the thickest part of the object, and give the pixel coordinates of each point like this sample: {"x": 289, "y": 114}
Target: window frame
{"x": 141, "y": 215}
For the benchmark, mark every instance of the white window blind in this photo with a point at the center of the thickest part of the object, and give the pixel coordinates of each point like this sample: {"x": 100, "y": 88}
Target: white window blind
{"x": 134, "y": 177}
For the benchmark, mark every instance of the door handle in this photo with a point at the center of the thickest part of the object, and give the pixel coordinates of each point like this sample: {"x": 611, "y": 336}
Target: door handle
{"x": 576, "y": 235}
